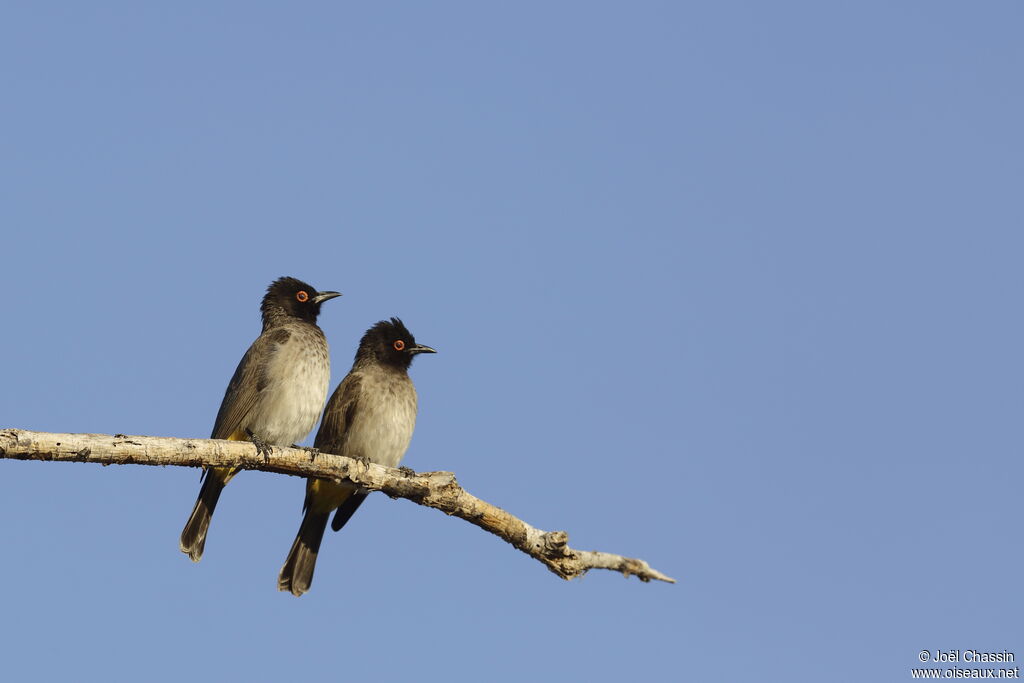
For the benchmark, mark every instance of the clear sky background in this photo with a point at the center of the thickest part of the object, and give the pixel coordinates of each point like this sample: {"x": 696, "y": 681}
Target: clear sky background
{"x": 731, "y": 287}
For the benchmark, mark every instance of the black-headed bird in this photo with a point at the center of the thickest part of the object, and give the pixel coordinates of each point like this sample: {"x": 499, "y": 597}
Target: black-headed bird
{"x": 275, "y": 395}
{"x": 370, "y": 417}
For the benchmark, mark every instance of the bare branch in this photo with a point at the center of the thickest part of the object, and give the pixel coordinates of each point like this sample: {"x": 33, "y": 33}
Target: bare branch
{"x": 438, "y": 490}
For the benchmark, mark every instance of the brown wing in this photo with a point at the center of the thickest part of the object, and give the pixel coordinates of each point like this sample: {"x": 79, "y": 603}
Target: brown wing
{"x": 334, "y": 430}
{"x": 338, "y": 416}
{"x": 247, "y": 384}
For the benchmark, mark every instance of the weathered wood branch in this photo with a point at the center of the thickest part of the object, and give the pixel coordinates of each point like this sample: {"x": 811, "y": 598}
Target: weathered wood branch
{"x": 438, "y": 490}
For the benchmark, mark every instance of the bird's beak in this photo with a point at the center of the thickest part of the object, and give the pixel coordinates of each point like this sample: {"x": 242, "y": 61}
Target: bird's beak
{"x": 324, "y": 296}
{"x": 420, "y": 348}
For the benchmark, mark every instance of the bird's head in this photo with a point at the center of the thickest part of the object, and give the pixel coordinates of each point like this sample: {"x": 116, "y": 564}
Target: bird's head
{"x": 391, "y": 343}
{"x": 291, "y": 297}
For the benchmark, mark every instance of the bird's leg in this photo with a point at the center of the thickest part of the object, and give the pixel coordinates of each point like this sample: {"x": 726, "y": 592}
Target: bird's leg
{"x": 362, "y": 460}
{"x": 313, "y": 451}
{"x": 262, "y": 447}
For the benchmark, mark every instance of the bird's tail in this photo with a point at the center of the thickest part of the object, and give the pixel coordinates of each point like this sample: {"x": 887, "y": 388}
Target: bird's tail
{"x": 347, "y": 509}
{"x": 193, "y": 536}
{"x": 297, "y": 573}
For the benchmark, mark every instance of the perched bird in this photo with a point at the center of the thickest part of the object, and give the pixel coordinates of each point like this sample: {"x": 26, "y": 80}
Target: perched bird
{"x": 275, "y": 395}
{"x": 370, "y": 417}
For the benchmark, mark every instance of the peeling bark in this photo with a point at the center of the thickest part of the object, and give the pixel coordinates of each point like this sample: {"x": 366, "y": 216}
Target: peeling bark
{"x": 438, "y": 490}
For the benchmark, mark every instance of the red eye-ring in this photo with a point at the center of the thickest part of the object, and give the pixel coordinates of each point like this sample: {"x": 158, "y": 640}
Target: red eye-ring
{"x": 399, "y": 345}
{"x": 302, "y": 296}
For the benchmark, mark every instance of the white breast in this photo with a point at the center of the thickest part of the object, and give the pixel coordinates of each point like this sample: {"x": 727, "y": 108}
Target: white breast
{"x": 291, "y": 402}
{"x": 384, "y": 420}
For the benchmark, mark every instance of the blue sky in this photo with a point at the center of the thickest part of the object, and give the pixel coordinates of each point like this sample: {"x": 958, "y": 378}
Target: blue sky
{"x": 730, "y": 287}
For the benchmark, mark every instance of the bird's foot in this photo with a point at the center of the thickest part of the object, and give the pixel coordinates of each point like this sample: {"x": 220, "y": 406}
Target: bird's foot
{"x": 407, "y": 471}
{"x": 313, "y": 452}
{"x": 362, "y": 460}
{"x": 262, "y": 447}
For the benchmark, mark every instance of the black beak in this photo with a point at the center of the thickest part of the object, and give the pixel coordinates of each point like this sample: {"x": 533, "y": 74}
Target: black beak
{"x": 420, "y": 348}
{"x": 324, "y": 296}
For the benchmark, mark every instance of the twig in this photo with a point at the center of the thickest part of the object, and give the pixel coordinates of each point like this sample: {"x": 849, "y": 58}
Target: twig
{"x": 438, "y": 490}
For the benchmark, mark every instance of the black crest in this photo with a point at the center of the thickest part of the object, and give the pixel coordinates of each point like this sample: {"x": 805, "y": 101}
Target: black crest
{"x": 390, "y": 342}
{"x": 289, "y": 296}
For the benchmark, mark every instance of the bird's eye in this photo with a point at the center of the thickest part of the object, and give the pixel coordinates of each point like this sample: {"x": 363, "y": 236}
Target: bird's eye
{"x": 399, "y": 345}
{"x": 302, "y": 296}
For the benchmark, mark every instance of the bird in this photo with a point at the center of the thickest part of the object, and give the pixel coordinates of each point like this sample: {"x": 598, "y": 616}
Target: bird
{"x": 370, "y": 417}
{"x": 275, "y": 395}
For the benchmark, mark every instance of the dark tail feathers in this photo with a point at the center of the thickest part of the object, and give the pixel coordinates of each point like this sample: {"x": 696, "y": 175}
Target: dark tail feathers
{"x": 193, "y": 536}
{"x": 297, "y": 573}
{"x": 347, "y": 509}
